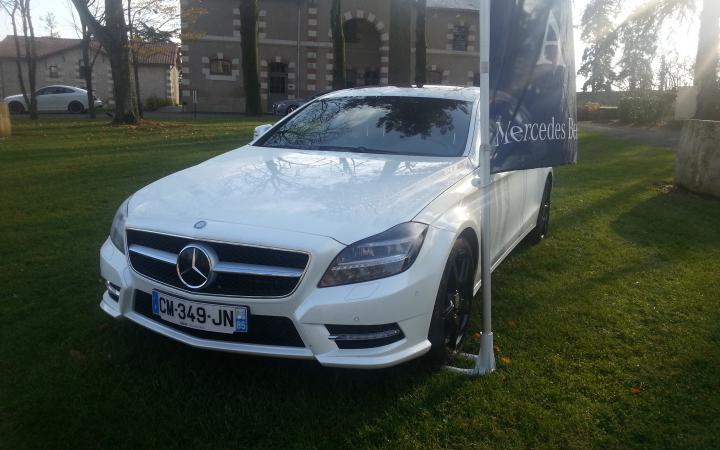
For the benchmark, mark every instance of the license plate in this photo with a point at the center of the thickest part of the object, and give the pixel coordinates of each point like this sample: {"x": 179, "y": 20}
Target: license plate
{"x": 200, "y": 316}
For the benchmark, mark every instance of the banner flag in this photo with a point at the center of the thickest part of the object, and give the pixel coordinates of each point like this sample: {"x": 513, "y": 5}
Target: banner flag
{"x": 533, "y": 106}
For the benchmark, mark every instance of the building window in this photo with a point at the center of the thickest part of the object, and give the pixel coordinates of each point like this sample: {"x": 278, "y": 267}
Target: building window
{"x": 476, "y": 80}
{"x": 371, "y": 77}
{"x": 351, "y": 77}
{"x": 53, "y": 72}
{"x": 82, "y": 72}
{"x": 277, "y": 83}
{"x": 220, "y": 67}
{"x": 433, "y": 76}
{"x": 460, "y": 38}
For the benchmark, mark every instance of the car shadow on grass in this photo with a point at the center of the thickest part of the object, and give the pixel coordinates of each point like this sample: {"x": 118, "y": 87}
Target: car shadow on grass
{"x": 276, "y": 402}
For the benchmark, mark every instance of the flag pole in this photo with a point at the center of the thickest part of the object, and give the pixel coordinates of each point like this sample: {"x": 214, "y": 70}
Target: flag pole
{"x": 485, "y": 360}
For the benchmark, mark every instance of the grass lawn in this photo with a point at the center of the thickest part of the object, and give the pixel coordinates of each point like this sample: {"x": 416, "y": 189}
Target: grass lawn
{"x": 608, "y": 333}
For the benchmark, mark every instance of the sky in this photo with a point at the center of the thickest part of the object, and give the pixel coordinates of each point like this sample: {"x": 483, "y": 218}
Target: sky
{"x": 679, "y": 36}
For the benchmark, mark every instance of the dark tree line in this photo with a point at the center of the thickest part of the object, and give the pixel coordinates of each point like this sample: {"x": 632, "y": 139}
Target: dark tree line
{"x": 624, "y": 52}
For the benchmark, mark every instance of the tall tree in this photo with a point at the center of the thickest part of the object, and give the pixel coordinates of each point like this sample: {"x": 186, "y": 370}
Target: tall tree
{"x": 50, "y": 23}
{"x": 706, "y": 65}
{"x": 338, "y": 41}
{"x": 598, "y": 32}
{"x": 420, "y": 43}
{"x": 400, "y": 70}
{"x": 134, "y": 56}
{"x": 89, "y": 64}
{"x": 639, "y": 39}
{"x": 11, "y": 7}
{"x": 639, "y": 35}
{"x": 149, "y": 21}
{"x": 113, "y": 36}
{"x": 90, "y": 52}
{"x": 30, "y": 54}
{"x": 249, "y": 46}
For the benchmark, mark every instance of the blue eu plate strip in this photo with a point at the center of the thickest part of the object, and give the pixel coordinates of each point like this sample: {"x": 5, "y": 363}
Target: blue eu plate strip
{"x": 156, "y": 303}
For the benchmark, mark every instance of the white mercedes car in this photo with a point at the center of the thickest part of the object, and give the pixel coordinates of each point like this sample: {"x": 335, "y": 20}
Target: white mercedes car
{"x": 54, "y": 99}
{"x": 348, "y": 233}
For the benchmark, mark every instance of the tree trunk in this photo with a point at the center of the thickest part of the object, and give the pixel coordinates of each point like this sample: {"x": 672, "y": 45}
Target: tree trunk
{"x": 114, "y": 38}
{"x": 133, "y": 55}
{"x": 420, "y": 44}
{"x": 88, "y": 70}
{"x": 18, "y": 54}
{"x": 400, "y": 43}
{"x": 30, "y": 55}
{"x": 136, "y": 76}
{"x": 248, "y": 42}
{"x": 706, "y": 66}
{"x": 338, "y": 41}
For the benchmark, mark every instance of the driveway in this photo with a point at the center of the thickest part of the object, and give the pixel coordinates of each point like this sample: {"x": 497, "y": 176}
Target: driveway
{"x": 656, "y": 137}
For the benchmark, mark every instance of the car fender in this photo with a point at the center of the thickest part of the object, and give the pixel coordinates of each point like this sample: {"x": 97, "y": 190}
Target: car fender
{"x": 18, "y": 99}
{"x": 455, "y": 211}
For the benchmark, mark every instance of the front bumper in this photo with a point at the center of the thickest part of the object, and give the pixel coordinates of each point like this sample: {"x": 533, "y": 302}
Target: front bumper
{"x": 406, "y": 299}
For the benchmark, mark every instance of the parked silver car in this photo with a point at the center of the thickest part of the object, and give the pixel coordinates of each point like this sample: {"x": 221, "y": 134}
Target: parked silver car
{"x": 285, "y": 107}
{"x": 54, "y": 99}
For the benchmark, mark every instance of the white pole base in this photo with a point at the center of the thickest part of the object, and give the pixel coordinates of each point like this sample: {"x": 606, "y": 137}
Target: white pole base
{"x": 484, "y": 362}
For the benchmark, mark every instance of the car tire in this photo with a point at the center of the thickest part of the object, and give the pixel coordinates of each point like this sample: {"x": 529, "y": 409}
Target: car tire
{"x": 16, "y": 108}
{"x": 453, "y": 305}
{"x": 76, "y": 107}
{"x": 542, "y": 226}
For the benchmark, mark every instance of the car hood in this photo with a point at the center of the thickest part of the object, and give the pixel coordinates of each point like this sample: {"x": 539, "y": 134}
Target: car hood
{"x": 14, "y": 97}
{"x": 345, "y": 196}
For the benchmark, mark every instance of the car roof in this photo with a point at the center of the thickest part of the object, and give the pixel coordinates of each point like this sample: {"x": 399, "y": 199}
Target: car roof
{"x": 429, "y": 91}
{"x": 60, "y": 85}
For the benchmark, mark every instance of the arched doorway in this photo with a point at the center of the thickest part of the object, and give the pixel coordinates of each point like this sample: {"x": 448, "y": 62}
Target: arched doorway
{"x": 362, "y": 50}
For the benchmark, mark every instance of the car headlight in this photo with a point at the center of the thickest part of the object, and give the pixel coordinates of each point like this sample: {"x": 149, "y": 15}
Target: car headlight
{"x": 117, "y": 231}
{"x": 383, "y": 255}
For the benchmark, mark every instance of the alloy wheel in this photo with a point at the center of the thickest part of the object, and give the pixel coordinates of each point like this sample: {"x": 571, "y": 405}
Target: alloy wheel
{"x": 458, "y": 299}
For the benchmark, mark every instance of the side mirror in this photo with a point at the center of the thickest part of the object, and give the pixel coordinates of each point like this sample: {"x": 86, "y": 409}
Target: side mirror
{"x": 259, "y": 131}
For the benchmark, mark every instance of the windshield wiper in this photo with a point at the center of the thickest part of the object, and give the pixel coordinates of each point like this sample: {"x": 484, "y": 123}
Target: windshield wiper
{"x": 360, "y": 149}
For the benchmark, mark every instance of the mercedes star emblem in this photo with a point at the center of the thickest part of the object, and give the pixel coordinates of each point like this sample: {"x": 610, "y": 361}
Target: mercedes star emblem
{"x": 195, "y": 265}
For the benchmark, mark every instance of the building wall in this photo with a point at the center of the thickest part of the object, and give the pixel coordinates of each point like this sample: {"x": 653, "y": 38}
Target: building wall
{"x": 297, "y": 33}
{"x": 156, "y": 79}
{"x": 154, "y": 82}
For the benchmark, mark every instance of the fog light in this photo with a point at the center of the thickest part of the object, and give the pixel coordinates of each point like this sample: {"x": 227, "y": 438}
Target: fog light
{"x": 364, "y": 336}
{"x": 113, "y": 291}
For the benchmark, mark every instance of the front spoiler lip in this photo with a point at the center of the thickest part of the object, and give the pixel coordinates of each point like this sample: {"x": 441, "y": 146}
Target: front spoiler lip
{"x": 333, "y": 359}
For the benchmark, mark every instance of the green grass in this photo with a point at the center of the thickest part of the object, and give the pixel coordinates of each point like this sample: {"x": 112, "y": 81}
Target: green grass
{"x": 608, "y": 333}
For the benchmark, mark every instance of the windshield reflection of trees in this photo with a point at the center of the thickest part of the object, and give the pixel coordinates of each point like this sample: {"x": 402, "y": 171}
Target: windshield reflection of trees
{"x": 329, "y": 121}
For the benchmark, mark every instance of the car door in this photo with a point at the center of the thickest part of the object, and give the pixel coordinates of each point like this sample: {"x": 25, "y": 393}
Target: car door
{"x": 43, "y": 99}
{"x": 506, "y": 214}
{"x": 63, "y": 98}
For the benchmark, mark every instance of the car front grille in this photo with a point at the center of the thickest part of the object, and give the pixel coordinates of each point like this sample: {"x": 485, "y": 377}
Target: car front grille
{"x": 262, "y": 330}
{"x": 249, "y": 271}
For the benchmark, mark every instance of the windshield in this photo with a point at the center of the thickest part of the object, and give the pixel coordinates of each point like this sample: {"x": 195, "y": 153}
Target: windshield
{"x": 393, "y": 125}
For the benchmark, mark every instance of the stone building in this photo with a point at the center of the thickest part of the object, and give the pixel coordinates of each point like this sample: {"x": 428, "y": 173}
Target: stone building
{"x": 295, "y": 48}
{"x": 60, "y": 61}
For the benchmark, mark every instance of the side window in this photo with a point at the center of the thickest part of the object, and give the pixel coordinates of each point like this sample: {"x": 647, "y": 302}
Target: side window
{"x": 220, "y": 67}
{"x": 62, "y": 90}
{"x": 460, "y": 38}
{"x": 43, "y": 91}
